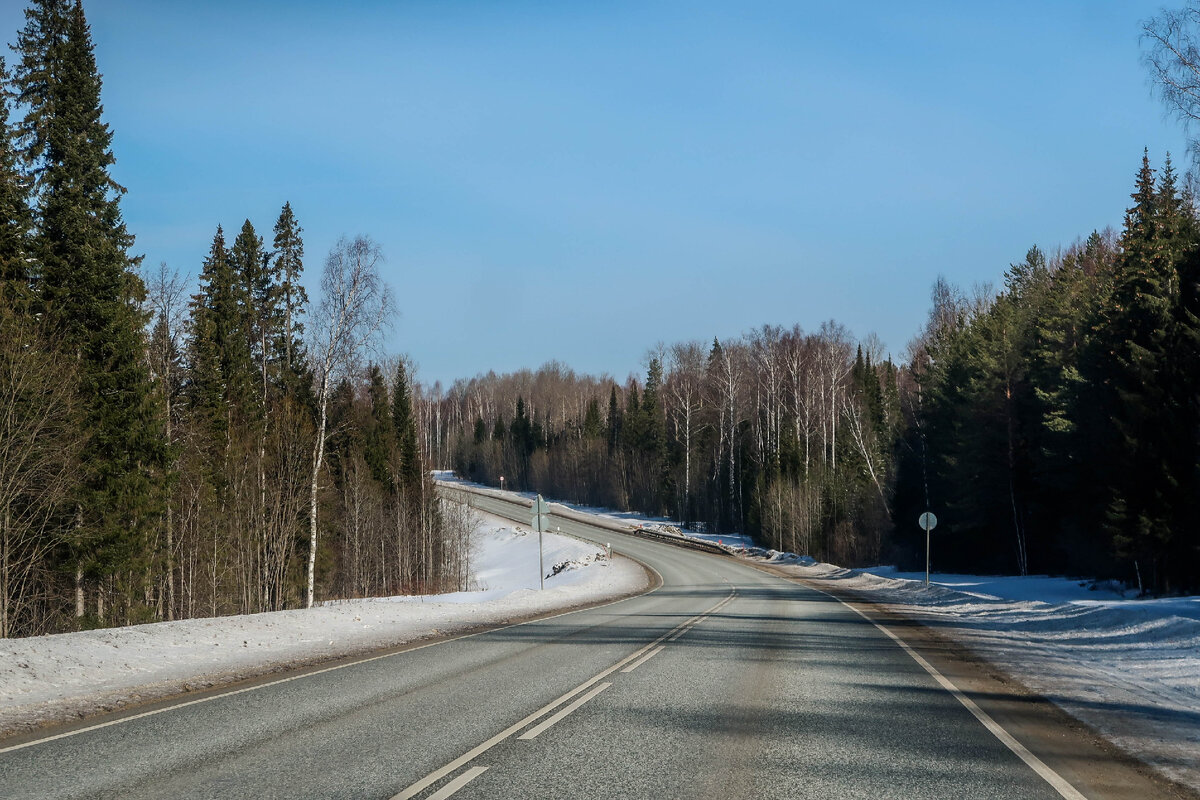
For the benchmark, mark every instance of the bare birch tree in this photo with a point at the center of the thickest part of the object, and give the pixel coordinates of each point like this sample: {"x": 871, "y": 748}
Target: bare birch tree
{"x": 355, "y": 306}
{"x": 685, "y": 395}
{"x": 167, "y": 298}
{"x": 863, "y": 436}
{"x": 40, "y": 441}
{"x": 1173, "y": 59}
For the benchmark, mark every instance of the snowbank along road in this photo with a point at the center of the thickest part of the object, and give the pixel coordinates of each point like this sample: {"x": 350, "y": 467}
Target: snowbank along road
{"x": 725, "y": 682}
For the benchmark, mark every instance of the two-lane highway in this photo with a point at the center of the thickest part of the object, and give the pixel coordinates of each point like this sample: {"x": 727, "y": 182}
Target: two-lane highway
{"x": 724, "y": 682}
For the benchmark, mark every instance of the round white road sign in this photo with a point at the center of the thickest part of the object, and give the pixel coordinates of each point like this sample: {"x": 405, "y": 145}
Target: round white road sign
{"x": 928, "y": 521}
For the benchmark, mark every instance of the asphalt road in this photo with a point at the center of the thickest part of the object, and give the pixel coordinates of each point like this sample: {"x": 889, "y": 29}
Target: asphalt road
{"x": 725, "y": 682}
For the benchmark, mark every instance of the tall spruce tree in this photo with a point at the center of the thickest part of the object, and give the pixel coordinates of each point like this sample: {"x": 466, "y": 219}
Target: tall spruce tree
{"x": 292, "y": 299}
{"x": 654, "y": 435}
{"x": 1066, "y": 487}
{"x": 39, "y": 46}
{"x": 410, "y": 474}
{"x": 593, "y": 425}
{"x": 379, "y": 439}
{"x": 614, "y": 421}
{"x": 256, "y": 312}
{"x": 90, "y": 292}
{"x": 1131, "y": 368}
{"x": 1184, "y": 550}
{"x": 222, "y": 374}
{"x": 521, "y": 438}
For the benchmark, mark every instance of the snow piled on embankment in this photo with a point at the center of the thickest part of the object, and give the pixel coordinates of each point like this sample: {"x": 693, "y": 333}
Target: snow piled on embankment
{"x": 52, "y": 678}
{"x": 1128, "y": 668}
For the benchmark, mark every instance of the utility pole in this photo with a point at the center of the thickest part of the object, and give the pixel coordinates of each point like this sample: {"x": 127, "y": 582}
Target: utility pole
{"x": 541, "y": 516}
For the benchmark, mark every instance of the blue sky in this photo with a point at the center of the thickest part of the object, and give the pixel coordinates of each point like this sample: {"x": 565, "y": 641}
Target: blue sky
{"x": 578, "y": 181}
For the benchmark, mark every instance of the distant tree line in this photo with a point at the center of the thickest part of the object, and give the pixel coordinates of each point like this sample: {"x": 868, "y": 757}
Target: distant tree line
{"x": 1053, "y": 426}
{"x": 781, "y": 434}
{"x": 164, "y": 456}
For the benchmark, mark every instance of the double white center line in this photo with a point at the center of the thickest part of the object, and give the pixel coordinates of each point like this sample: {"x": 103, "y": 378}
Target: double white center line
{"x": 627, "y": 664}
{"x": 541, "y": 726}
{"x": 644, "y": 658}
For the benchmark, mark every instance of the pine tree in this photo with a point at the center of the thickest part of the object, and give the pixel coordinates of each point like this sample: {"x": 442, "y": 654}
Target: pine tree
{"x": 1066, "y": 452}
{"x": 654, "y": 435}
{"x": 653, "y": 431}
{"x": 292, "y": 299}
{"x": 522, "y": 441}
{"x": 631, "y": 421}
{"x": 15, "y": 218}
{"x": 1184, "y": 551}
{"x": 256, "y": 296}
{"x": 593, "y": 426}
{"x": 410, "y": 474}
{"x": 1134, "y": 360}
{"x": 615, "y": 421}
{"x": 40, "y": 47}
{"x": 222, "y": 374}
{"x": 1180, "y": 457}
{"x": 380, "y": 436}
{"x": 345, "y": 437}
{"x": 89, "y": 289}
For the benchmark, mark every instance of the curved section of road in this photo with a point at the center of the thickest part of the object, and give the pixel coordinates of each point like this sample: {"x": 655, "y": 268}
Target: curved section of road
{"x": 724, "y": 682}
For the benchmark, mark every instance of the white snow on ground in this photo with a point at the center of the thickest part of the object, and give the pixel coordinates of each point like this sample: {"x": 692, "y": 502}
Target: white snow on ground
{"x": 1128, "y": 668}
{"x": 51, "y": 678}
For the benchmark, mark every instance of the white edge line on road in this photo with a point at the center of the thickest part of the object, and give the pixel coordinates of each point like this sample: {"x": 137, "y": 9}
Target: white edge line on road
{"x": 549, "y": 722}
{"x": 322, "y": 671}
{"x": 458, "y": 783}
{"x": 1056, "y": 781}
{"x": 435, "y": 776}
{"x": 641, "y": 660}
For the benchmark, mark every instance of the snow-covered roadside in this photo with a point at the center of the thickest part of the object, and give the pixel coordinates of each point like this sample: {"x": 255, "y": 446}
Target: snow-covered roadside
{"x": 631, "y": 519}
{"x": 53, "y": 678}
{"x": 1130, "y": 669}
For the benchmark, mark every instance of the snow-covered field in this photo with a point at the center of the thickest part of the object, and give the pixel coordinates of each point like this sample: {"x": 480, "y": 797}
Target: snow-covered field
{"x": 51, "y": 678}
{"x": 1128, "y": 668}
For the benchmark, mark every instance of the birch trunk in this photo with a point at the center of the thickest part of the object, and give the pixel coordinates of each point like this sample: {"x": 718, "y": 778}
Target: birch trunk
{"x": 318, "y": 456}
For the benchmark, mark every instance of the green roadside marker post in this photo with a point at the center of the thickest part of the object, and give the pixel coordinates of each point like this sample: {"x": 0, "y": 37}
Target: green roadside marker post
{"x": 927, "y": 521}
{"x": 541, "y": 518}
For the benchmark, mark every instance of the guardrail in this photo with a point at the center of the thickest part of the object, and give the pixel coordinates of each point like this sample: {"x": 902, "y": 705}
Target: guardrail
{"x": 559, "y": 510}
{"x": 519, "y": 502}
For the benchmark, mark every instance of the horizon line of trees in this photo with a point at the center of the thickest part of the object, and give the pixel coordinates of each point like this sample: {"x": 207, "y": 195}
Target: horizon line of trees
{"x": 782, "y": 434}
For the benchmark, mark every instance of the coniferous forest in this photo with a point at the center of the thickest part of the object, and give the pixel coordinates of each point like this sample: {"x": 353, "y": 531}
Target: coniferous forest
{"x": 164, "y": 455}
{"x": 170, "y": 450}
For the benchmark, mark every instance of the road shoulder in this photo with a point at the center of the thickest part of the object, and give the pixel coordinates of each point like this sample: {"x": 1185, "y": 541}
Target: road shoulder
{"x": 1091, "y": 763}
{"x": 85, "y": 708}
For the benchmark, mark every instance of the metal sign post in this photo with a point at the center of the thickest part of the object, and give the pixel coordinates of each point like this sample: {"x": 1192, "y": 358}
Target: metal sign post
{"x": 927, "y": 521}
{"x": 541, "y": 516}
